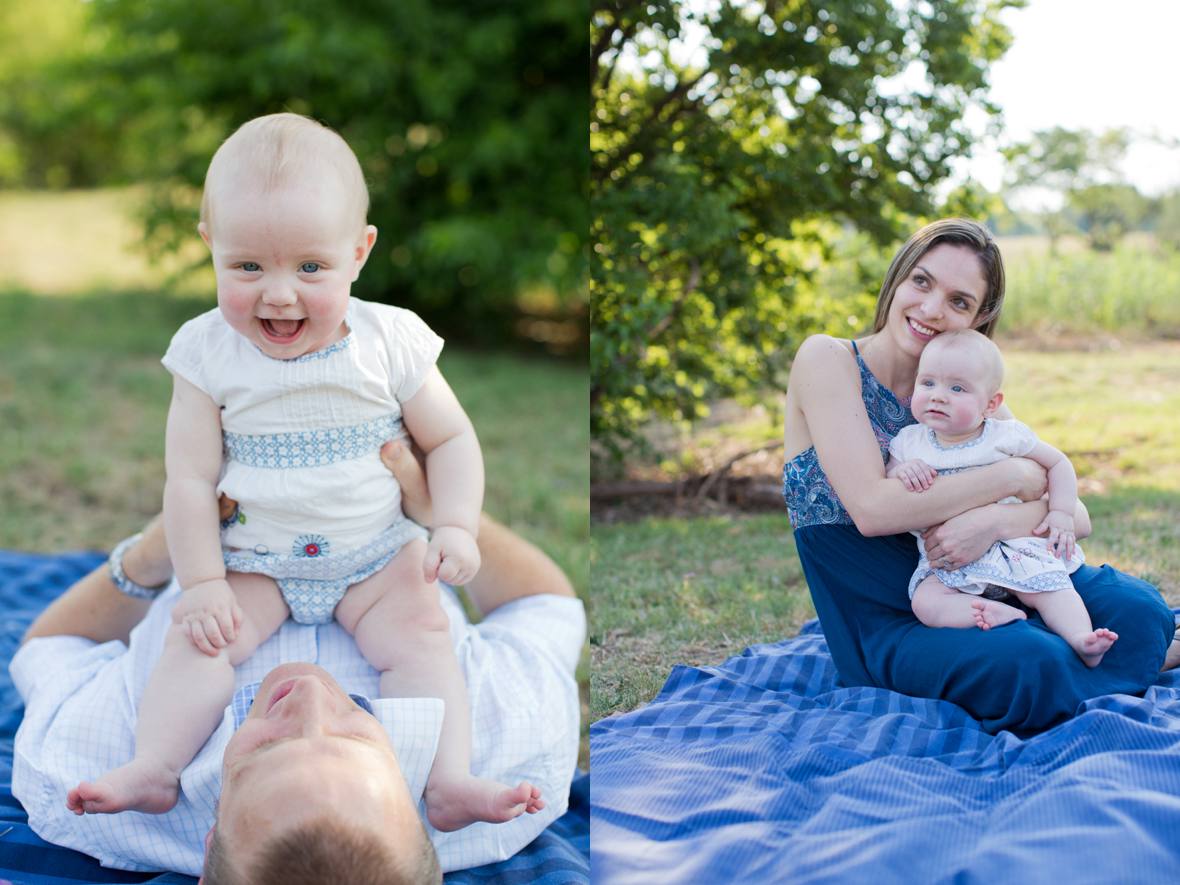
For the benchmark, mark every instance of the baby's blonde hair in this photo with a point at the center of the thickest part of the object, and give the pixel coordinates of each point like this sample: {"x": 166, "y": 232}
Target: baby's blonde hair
{"x": 991, "y": 361}
{"x": 280, "y": 149}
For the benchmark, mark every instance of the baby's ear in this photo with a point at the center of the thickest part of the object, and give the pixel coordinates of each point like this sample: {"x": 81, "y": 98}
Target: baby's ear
{"x": 994, "y": 404}
{"x": 203, "y": 230}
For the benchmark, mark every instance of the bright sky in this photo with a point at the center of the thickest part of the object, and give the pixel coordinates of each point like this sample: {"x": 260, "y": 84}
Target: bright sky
{"x": 1091, "y": 64}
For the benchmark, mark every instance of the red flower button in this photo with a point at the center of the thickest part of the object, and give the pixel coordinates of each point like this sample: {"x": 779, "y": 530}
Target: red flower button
{"x": 312, "y": 549}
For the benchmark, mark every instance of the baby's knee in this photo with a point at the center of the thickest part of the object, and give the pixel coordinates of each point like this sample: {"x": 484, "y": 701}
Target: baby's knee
{"x": 928, "y": 597}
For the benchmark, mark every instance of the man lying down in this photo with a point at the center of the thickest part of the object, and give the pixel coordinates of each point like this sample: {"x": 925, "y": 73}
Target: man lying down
{"x": 306, "y": 779}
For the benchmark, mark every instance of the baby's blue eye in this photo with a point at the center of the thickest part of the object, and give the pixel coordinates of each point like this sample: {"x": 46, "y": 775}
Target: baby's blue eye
{"x": 251, "y": 266}
{"x": 927, "y": 383}
{"x": 309, "y": 266}
{"x": 957, "y": 388}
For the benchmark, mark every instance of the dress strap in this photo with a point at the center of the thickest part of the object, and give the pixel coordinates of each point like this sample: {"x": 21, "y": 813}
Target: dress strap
{"x": 855, "y": 350}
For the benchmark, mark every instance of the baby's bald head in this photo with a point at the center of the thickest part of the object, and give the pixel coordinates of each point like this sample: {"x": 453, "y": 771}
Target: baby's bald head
{"x": 280, "y": 151}
{"x": 985, "y": 357}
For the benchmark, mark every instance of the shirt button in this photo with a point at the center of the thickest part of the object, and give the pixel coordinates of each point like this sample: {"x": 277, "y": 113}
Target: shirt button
{"x": 261, "y": 549}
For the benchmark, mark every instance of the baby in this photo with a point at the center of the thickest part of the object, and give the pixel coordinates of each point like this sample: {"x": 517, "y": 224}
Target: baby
{"x": 282, "y": 399}
{"x": 956, "y": 394}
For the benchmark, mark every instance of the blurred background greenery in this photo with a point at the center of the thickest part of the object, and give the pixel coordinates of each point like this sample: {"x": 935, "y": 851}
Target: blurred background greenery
{"x": 754, "y": 166}
{"x": 468, "y": 119}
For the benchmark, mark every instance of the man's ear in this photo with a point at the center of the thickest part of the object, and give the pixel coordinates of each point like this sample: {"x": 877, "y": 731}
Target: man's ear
{"x": 203, "y": 230}
{"x": 994, "y": 404}
{"x": 364, "y": 248}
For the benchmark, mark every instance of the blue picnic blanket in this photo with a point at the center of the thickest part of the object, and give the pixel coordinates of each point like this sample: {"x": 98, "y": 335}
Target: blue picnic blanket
{"x": 762, "y": 769}
{"x": 28, "y": 582}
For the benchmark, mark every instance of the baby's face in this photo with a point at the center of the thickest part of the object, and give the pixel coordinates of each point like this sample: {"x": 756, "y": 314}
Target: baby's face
{"x": 951, "y": 394}
{"x": 285, "y": 261}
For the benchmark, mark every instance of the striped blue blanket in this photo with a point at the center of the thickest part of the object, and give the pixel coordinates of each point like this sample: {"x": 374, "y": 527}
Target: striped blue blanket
{"x": 28, "y": 583}
{"x": 762, "y": 769}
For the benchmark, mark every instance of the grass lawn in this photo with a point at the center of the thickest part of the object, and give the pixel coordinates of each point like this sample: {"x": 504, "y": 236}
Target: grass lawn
{"x": 695, "y": 591}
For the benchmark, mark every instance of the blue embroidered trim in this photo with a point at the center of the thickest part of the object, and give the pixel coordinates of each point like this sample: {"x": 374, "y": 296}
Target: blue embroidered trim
{"x": 965, "y": 444}
{"x": 311, "y": 448}
{"x": 336, "y": 567}
{"x": 809, "y": 496}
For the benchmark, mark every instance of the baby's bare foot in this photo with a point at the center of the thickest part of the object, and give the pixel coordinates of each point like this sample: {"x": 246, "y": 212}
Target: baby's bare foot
{"x": 140, "y": 785}
{"x": 1092, "y": 646}
{"x": 452, "y": 805}
{"x": 990, "y": 613}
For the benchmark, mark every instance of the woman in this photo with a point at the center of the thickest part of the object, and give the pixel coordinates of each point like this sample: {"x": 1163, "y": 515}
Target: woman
{"x": 845, "y": 400}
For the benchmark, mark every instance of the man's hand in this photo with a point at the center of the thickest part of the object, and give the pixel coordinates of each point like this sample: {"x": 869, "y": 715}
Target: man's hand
{"x": 452, "y": 556}
{"x": 1059, "y": 527}
{"x": 406, "y": 466}
{"x": 915, "y": 475}
{"x": 210, "y": 614}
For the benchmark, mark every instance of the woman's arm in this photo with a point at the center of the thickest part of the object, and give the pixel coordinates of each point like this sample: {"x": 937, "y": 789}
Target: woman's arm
{"x": 825, "y": 378}
{"x": 964, "y": 538}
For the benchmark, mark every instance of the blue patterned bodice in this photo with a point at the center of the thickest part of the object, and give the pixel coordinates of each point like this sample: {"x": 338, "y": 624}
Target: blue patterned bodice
{"x": 809, "y": 496}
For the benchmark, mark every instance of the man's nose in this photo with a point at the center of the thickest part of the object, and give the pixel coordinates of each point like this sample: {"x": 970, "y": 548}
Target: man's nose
{"x": 311, "y": 703}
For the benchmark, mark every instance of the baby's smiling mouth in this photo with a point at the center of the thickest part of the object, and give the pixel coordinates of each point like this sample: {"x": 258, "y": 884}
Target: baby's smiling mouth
{"x": 281, "y": 330}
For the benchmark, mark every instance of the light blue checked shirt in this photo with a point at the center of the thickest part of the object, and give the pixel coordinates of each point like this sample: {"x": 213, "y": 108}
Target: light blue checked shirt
{"x": 80, "y": 719}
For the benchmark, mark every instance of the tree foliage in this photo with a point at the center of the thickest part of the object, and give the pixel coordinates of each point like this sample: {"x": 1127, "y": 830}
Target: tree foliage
{"x": 1084, "y": 168}
{"x": 722, "y": 179}
{"x": 468, "y": 119}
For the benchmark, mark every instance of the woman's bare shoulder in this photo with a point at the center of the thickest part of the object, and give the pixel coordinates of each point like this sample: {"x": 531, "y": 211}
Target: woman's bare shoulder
{"x": 821, "y": 354}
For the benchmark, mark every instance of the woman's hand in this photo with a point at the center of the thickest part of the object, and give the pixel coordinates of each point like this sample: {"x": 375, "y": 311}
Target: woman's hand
{"x": 963, "y": 538}
{"x": 1032, "y": 480}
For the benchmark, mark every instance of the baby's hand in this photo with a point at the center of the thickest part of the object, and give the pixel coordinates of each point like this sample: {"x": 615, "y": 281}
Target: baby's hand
{"x": 210, "y": 614}
{"x": 452, "y": 556}
{"x": 1058, "y": 525}
{"x": 915, "y": 475}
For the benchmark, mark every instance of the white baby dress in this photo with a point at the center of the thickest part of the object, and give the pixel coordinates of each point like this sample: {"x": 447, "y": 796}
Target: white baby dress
{"x": 302, "y": 439}
{"x": 1025, "y": 564}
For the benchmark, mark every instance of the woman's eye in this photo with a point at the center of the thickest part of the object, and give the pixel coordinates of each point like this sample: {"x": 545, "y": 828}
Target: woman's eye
{"x": 920, "y": 279}
{"x": 961, "y": 303}
{"x": 250, "y": 266}
{"x": 309, "y": 266}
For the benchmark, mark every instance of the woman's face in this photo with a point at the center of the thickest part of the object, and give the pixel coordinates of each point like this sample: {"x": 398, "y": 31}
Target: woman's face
{"x": 943, "y": 292}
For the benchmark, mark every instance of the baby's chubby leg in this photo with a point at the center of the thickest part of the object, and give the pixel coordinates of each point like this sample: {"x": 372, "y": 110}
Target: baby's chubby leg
{"x": 181, "y": 706}
{"x": 1065, "y": 614}
{"x": 938, "y": 605}
{"x": 402, "y": 630}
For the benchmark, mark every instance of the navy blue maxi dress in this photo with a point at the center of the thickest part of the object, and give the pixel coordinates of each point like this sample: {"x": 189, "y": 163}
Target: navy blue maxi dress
{"x": 1020, "y": 677}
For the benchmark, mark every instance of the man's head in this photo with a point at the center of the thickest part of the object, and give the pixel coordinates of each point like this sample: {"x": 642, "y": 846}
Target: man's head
{"x": 310, "y": 783}
{"x": 284, "y": 215}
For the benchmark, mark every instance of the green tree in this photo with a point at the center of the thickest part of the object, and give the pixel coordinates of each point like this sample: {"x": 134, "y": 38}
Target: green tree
{"x": 722, "y": 179}
{"x": 1107, "y": 211}
{"x": 1084, "y": 168}
{"x": 468, "y": 119}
